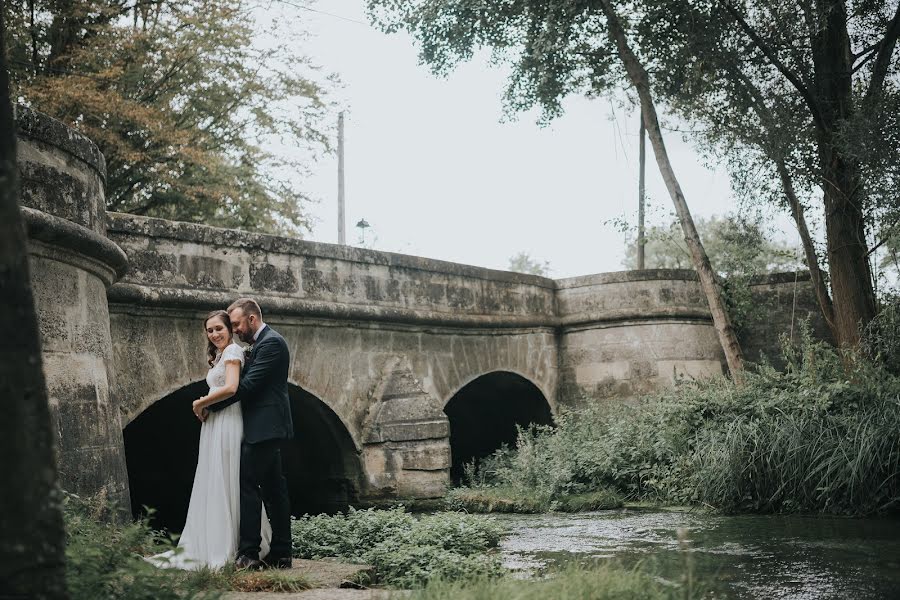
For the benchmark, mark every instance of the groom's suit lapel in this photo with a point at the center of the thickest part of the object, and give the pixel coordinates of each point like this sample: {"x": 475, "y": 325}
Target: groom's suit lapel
{"x": 255, "y": 346}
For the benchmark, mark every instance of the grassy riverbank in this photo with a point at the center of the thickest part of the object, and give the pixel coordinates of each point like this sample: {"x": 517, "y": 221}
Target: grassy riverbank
{"x": 575, "y": 583}
{"x": 444, "y": 555}
{"x": 454, "y": 556}
{"x": 818, "y": 437}
{"x": 515, "y": 499}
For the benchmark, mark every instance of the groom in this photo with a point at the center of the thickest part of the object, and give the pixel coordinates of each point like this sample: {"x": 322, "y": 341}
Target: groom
{"x": 263, "y": 394}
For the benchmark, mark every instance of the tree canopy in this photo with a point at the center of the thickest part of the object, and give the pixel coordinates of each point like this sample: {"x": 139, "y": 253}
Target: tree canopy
{"x": 524, "y": 263}
{"x": 799, "y": 99}
{"x": 184, "y": 100}
{"x": 735, "y": 246}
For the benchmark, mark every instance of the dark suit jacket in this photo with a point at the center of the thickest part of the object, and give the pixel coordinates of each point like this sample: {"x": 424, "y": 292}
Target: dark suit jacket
{"x": 263, "y": 390}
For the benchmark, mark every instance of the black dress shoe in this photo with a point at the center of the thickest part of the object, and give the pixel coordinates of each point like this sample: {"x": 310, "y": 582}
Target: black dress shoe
{"x": 278, "y": 562}
{"x": 247, "y": 563}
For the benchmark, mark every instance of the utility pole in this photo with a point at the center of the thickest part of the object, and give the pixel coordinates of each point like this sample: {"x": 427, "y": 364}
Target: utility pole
{"x": 642, "y": 163}
{"x": 342, "y": 231}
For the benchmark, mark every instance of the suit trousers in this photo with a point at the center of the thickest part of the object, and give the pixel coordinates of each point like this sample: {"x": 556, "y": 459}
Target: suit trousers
{"x": 262, "y": 480}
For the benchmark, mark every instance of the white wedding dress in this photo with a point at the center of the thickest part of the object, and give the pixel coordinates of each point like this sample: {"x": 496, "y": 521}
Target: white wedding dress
{"x": 210, "y": 536}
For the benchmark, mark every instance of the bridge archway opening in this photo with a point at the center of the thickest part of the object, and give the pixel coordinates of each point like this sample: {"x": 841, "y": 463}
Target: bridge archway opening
{"x": 321, "y": 463}
{"x": 484, "y": 414}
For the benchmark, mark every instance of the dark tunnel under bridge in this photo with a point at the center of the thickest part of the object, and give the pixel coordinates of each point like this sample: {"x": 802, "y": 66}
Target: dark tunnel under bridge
{"x": 484, "y": 415}
{"x": 321, "y": 463}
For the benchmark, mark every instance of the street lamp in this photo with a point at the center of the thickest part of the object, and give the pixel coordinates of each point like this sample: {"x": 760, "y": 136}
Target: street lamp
{"x": 363, "y": 225}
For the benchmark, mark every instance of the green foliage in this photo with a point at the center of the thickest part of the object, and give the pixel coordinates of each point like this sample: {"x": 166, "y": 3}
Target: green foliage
{"x": 514, "y": 499}
{"x": 523, "y": 263}
{"x": 404, "y": 550}
{"x": 735, "y": 245}
{"x": 539, "y": 475}
{"x": 597, "y": 500}
{"x": 607, "y": 582}
{"x": 818, "y": 437}
{"x": 186, "y": 99}
{"x": 738, "y": 250}
{"x": 881, "y": 342}
{"x": 104, "y": 560}
{"x": 498, "y": 498}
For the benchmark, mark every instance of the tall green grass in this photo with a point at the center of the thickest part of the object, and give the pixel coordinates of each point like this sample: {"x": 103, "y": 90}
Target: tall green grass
{"x": 105, "y": 559}
{"x": 821, "y": 436}
{"x": 574, "y": 583}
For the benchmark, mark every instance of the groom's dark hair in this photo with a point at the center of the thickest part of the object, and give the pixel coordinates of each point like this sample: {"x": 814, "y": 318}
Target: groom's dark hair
{"x": 248, "y": 306}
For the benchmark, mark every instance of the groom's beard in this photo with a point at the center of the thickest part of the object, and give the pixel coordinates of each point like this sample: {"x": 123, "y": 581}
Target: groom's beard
{"x": 247, "y": 337}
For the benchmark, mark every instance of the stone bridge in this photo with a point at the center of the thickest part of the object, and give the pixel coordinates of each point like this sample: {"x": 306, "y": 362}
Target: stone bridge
{"x": 403, "y": 368}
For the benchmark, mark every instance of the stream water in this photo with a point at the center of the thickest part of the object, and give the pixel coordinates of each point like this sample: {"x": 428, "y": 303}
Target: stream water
{"x": 740, "y": 557}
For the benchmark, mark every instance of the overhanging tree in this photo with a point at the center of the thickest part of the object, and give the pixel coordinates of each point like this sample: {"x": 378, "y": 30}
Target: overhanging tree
{"x": 803, "y": 93}
{"x": 185, "y": 101}
{"x": 557, "y": 48}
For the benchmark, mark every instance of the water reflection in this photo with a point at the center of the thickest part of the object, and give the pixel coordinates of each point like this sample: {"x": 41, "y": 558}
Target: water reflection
{"x": 744, "y": 557}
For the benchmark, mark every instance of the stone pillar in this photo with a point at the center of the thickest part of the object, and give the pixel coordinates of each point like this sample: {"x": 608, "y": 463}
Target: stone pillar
{"x": 72, "y": 265}
{"x": 406, "y": 443}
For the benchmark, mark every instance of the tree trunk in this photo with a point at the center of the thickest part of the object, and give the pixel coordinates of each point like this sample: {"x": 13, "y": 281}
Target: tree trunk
{"x": 812, "y": 259}
{"x": 640, "y": 80}
{"x": 848, "y": 264}
{"x": 32, "y": 540}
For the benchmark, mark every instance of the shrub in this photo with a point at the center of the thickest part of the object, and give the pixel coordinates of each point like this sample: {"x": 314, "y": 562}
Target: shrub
{"x": 104, "y": 559}
{"x": 881, "y": 339}
{"x": 404, "y": 550}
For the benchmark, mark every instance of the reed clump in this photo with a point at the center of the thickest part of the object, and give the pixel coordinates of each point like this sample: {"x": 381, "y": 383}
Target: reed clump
{"x": 821, "y": 435}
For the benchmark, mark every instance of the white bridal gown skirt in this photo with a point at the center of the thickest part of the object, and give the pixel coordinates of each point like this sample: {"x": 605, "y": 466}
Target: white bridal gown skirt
{"x": 210, "y": 536}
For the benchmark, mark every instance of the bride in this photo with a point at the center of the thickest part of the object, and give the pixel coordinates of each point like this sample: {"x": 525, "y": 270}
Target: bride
{"x": 210, "y": 536}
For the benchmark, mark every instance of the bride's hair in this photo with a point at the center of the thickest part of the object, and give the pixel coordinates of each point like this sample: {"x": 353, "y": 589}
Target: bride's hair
{"x": 210, "y": 348}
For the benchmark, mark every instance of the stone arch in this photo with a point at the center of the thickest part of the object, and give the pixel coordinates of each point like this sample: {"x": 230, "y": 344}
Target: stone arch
{"x": 544, "y": 387}
{"x": 322, "y": 462}
{"x": 484, "y": 413}
{"x": 135, "y": 409}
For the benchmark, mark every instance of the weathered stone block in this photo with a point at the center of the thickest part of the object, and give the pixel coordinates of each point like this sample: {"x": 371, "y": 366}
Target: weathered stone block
{"x": 268, "y": 277}
{"x": 422, "y": 484}
{"x": 424, "y": 456}
{"x": 417, "y": 430}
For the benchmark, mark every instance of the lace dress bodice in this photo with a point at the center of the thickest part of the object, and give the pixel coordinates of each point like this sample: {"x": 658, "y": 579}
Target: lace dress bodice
{"x": 215, "y": 378}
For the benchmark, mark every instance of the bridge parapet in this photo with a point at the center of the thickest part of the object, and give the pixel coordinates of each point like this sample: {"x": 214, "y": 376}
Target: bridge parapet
{"x": 184, "y": 264}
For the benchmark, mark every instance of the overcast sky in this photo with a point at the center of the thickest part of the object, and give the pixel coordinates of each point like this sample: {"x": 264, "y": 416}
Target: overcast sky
{"x": 432, "y": 168}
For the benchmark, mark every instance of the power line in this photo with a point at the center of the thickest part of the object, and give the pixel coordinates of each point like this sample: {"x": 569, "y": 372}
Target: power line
{"x": 322, "y": 12}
